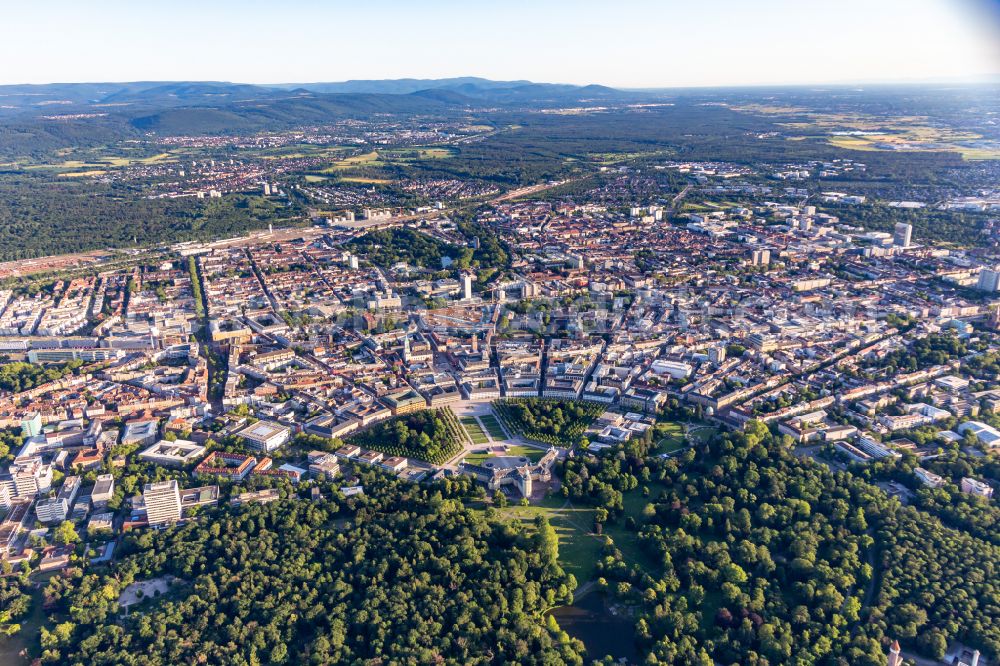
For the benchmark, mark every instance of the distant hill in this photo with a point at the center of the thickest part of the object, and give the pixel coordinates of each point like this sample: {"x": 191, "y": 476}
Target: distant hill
{"x": 401, "y": 86}
{"x": 472, "y": 87}
{"x": 66, "y": 98}
{"x": 185, "y": 93}
{"x": 292, "y": 111}
{"x": 38, "y": 117}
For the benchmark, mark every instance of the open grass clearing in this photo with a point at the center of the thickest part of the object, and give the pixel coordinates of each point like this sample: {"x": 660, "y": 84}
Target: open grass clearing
{"x": 579, "y": 547}
{"x": 365, "y": 181}
{"x": 672, "y": 440}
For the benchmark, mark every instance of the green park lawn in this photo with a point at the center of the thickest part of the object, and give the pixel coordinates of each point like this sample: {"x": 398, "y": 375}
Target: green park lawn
{"x": 475, "y": 431}
{"x": 493, "y": 426}
{"x": 579, "y": 547}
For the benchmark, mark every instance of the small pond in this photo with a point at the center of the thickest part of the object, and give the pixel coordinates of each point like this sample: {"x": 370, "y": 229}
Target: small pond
{"x": 602, "y": 631}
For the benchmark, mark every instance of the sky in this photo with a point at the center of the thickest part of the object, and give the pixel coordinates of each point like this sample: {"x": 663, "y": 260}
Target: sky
{"x": 622, "y": 43}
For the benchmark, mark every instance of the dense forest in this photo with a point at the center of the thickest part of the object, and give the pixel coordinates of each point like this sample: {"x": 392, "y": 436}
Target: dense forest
{"x": 929, "y": 225}
{"x": 739, "y": 552}
{"x": 42, "y": 216}
{"x": 762, "y": 558}
{"x": 15, "y": 601}
{"x": 401, "y": 574}
{"x": 491, "y": 255}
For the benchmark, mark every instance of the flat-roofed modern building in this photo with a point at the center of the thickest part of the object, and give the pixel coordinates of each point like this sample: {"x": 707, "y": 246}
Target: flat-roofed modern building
{"x": 101, "y": 522}
{"x": 52, "y": 509}
{"x": 104, "y": 490}
{"x": 201, "y": 496}
{"x": 69, "y": 489}
{"x": 142, "y": 432}
{"x": 31, "y": 476}
{"x": 264, "y": 436}
{"x": 163, "y": 503}
{"x": 173, "y": 454}
{"x": 986, "y": 434}
{"x": 976, "y": 487}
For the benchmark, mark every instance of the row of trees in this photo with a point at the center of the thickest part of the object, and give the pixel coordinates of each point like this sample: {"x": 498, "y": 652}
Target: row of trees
{"x": 199, "y": 301}
{"x": 557, "y": 422}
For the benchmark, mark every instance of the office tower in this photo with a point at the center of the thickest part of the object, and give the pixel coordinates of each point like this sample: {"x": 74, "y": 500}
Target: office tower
{"x": 902, "y": 234}
{"x": 163, "y": 503}
{"x": 467, "y": 286}
{"x": 989, "y": 280}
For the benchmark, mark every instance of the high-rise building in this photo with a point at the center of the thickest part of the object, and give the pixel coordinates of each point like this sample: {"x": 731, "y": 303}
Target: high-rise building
{"x": 31, "y": 425}
{"x": 717, "y": 354}
{"x": 163, "y": 503}
{"x": 989, "y": 280}
{"x": 761, "y": 257}
{"x": 902, "y": 233}
{"x": 467, "y": 286}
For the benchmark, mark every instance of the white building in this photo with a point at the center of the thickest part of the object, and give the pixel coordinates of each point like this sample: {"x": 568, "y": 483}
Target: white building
{"x": 976, "y": 487}
{"x": 163, "y": 503}
{"x": 51, "y": 509}
{"x": 986, "y": 434}
{"x": 989, "y": 280}
{"x": 104, "y": 489}
{"x": 265, "y": 436}
{"x": 172, "y": 454}
{"x": 31, "y": 477}
{"x": 675, "y": 369}
{"x": 928, "y": 478}
{"x": 467, "y": 286}
{"x": 902, "y": 234}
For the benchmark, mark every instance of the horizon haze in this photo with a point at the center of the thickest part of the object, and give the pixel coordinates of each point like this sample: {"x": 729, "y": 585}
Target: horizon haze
{"x": 638, "y": 44}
